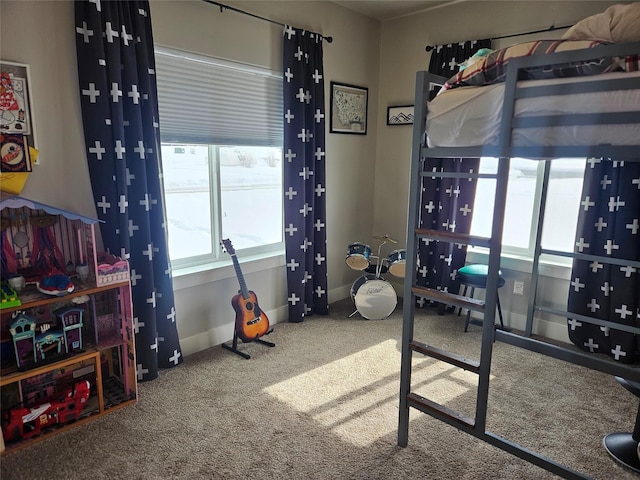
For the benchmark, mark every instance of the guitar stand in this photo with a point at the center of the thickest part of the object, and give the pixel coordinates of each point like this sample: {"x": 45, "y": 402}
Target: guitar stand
{"x": 234, "y": 346}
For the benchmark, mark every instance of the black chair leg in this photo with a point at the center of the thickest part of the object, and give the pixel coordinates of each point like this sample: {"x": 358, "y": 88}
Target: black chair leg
{"x": 468, "y": 319}
{"x": 464, "y": 293}
{"x": 499, "y": 309}
{"x": 623, "y": 446}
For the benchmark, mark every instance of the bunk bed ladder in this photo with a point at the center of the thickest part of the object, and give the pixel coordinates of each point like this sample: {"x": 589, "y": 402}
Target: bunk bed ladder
{"x": 476, "y": 425}
{"x": 411, "y": 291}
{"x": 504, "y": 150}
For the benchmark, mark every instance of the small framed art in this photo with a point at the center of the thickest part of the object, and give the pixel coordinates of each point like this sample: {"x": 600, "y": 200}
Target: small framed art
{"x": 400, "y": 115}
{"x": 349, "y": 104}
{"x": 16, "y": 125}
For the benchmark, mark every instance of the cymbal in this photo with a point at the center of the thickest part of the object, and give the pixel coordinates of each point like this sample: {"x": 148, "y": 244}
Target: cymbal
{"x": 385, "y": 238}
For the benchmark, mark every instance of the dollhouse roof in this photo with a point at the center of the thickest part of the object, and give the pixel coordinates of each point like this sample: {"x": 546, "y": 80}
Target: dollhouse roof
{"x": 14, "y": 201}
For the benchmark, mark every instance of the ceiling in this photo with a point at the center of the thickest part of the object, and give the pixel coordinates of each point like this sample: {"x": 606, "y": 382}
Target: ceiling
{"x": 389, "y": 9}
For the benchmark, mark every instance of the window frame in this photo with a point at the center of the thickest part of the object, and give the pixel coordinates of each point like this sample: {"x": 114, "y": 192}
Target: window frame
{"x": 218, "y": 257}
{"x": 521, "y": 259}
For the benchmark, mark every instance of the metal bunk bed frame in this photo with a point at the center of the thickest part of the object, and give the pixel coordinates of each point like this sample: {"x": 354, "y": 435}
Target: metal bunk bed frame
{"x": 504, "y": 151}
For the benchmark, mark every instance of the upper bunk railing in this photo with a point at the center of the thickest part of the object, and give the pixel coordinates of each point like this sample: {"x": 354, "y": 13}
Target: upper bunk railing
{"x": 513, "y": 92}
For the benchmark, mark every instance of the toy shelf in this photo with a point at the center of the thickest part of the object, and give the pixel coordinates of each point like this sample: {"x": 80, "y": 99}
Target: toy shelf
{"x": 107, "y": 360}
{"x": 34, "y": 372}
{"x": 64, "y": 360}
{"x": 31, "y": 297}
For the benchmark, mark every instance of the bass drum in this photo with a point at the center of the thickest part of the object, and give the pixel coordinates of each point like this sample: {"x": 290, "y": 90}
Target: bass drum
{"x": 375, "y": 298}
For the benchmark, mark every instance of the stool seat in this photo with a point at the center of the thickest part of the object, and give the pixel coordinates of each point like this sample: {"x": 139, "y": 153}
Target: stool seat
{"x": 475, "y": 276}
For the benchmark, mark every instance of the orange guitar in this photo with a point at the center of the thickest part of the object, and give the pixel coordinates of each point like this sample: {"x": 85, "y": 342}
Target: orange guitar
{"x": 251, "y": 321}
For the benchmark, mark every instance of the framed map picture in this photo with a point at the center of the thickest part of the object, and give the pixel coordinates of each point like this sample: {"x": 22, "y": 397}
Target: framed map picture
{"x": 349, "y": 105}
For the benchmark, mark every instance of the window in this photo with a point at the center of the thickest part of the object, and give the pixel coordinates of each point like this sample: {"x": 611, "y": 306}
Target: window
{"x": 222, "y": 134}
{"x": 523, "y": 200}
{"x": 248, "y": 203}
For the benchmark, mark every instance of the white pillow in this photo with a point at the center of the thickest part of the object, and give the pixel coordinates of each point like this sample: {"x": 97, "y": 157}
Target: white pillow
{"x": 618, "y": 23}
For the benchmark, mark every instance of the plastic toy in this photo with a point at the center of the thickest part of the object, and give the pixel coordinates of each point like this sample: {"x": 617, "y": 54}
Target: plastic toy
{"x": 71, "y": 321}
{"x": 21, "y": 423}
{"x": 9, "y": 296}
{"x": 23, "y": 331}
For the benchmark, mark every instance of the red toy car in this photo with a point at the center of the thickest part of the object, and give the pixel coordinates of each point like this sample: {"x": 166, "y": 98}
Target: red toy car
{"x": 20, "y": 423}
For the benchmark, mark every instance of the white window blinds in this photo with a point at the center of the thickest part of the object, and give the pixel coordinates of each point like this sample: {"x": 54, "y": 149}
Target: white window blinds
{"x": 204, "y": 100}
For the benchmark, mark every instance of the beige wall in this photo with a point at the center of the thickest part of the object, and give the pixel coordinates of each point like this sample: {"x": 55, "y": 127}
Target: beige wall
{"x": 42, "y": 34}
{"x": 352, "y": 58}
{"x": 402, "y": 55}
{"x": 367, "y": 176}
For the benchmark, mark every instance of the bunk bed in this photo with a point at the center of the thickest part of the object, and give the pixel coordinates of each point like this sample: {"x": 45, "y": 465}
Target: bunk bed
{"x": 537, "y": 119}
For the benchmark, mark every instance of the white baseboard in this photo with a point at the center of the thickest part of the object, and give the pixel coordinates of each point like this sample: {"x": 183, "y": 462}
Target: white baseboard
{"x": 224, "y": 333}
{"x": 340, "y": 293}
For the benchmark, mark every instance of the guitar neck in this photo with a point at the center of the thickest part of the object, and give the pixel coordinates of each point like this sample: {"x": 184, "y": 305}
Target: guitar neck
{"x": 243, "y": 285}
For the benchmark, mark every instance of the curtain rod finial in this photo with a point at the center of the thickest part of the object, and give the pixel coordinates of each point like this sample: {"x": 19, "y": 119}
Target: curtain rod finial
{"x": 428, "y": 48}
{"x": 329, "y": 39}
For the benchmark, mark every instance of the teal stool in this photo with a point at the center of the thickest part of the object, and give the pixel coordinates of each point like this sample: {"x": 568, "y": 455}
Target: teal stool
{"x": 475, "y": 276}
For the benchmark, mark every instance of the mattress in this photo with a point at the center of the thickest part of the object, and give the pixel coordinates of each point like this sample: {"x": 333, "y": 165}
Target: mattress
{"x": 470, "y": 116}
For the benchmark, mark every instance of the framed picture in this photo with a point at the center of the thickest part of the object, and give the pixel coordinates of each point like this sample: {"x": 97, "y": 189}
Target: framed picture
{"x": 16, "y": 122}
{"x": 400, "y": 115}
{"x": 349, "y": 105}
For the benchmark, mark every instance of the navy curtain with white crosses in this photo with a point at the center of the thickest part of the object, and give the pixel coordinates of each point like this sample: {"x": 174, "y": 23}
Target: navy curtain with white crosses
{"x": 609, "y": 228}
{"x": 305, "y": 209}
{"x": 116, "y": 70}
{"x": 447, "y": 203}
{"x": 445, "y": 59}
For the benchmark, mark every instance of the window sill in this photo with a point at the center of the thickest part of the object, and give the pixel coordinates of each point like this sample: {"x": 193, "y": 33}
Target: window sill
{"x": 187, "y": 277}
{"x": 548, "y": 265}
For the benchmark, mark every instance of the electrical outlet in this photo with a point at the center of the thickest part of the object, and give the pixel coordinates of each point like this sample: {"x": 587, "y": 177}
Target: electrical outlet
{"x": 518, "y": 288}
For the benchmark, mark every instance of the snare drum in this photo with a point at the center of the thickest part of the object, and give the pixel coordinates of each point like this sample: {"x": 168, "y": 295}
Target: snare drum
{"x": 358, "y": 256}
{"x": 396, "y": 263}
{"x": 375, "y": 298}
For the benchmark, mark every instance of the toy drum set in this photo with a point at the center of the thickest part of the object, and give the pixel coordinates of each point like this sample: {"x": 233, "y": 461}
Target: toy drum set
{"x": 373, "y": 296}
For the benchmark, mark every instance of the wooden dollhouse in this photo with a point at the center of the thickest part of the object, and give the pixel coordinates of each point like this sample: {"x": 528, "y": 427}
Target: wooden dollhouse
{"x": 36, "y": 236}
{"x": 52, "y": 337}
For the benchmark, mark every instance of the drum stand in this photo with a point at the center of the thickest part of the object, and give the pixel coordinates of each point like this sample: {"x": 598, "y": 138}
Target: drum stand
{"x": 384, "y": 239}
{"x": 379, "y": 261}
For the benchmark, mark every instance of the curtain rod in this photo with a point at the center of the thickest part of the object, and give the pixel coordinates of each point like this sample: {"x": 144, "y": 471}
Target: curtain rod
{"x": 228, "y": 7}
{"x": 428, "y": 48}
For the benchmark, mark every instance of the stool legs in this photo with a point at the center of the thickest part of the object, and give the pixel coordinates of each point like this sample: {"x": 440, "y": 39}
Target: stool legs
{"x": 466, "y": 322}
{"x": 499, "y": 309}
{"x": 464, "y": 294}
{"x": 468, "y": 319}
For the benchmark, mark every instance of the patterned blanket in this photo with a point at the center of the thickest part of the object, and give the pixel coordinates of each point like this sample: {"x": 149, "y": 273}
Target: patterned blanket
{"x": 493, "y": 67}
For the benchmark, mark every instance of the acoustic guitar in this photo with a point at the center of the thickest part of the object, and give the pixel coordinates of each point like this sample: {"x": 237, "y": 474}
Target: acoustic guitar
{"x": 251, "y": 321}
